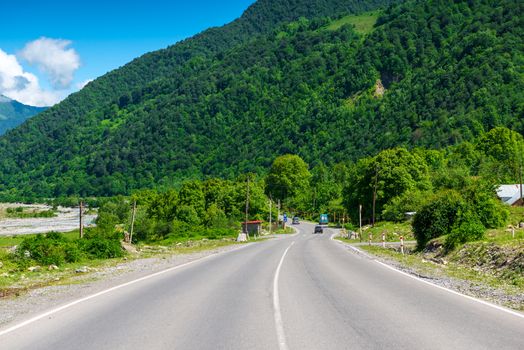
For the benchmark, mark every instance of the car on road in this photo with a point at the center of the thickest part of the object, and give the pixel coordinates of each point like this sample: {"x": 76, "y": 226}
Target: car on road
{"x": 319, "y": 229}
{"x": 296, "y": 220}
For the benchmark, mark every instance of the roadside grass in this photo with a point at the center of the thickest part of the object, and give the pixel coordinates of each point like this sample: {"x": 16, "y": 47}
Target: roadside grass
{"x": 516, "y": 215}
{"x": 504, "y": 237}
{"x": 284, "y": 231}
{"x": 15, "y": 281}
{"x": 392, "y": 231}
{"x": 363, "y": 23}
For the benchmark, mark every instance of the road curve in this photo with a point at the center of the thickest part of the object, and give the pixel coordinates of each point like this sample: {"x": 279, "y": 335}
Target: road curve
{"x": 300, "y": 291}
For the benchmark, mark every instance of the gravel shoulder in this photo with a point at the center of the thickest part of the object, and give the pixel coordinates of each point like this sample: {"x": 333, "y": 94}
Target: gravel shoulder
{"x": 433, "y": 273}
{"x": 15, "y": 309}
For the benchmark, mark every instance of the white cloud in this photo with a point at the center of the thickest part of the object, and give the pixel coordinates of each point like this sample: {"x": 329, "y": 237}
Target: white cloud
{"x": 22, "y": 86}
{"x": 82, "y": 84}
{"x": 54, "y": 58}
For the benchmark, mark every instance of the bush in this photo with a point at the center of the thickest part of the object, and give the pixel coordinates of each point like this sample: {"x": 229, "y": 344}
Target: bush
{"x": 73, "y": 252}
{"x": 55, "y": 249}
{"x": 437, "y": 218}
{"x": 44, "y": 249}
{"x": 467, "y": 228}
{"x": 100, "y": 248}
{"x": 489, "y": 209}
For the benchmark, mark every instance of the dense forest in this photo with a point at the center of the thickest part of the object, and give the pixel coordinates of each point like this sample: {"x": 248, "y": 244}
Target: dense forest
{"x": 281, "y": 79}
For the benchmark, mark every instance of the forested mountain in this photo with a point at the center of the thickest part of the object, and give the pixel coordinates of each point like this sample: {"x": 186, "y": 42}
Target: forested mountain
{"x": 13, "y": 113}
{"x": 429, "y": 73}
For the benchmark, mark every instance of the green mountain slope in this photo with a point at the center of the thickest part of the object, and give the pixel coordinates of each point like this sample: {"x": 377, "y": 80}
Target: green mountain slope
{"x": 429, "y": 74}
{"x": 13, "y": 113}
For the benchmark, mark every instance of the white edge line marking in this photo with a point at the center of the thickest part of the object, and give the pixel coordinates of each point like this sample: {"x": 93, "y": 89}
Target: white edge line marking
{"x": 93, "y": 296}
{"x": 279, "y": 325}
{"x": 483, "y": 302}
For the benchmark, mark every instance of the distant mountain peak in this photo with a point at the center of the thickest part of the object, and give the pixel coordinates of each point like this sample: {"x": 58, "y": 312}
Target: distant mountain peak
{"x": 14, "y": 113}
{"x": 4, "y": 99}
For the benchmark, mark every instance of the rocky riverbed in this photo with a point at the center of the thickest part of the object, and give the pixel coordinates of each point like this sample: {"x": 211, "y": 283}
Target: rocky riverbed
{"x": 66, "y": 219}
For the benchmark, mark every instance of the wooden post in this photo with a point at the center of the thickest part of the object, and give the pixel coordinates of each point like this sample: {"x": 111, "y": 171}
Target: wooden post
{"x": 132, "y": 222}
{"x": 520, "y": 178}
{"x": 247, "y": 208}
{"x": 278, "y": 215}
{"x": 360, "y": 221}
{"x": 374, "y": 197}
{"x": 270, "y": 218}
{"x": 81, "y": 221}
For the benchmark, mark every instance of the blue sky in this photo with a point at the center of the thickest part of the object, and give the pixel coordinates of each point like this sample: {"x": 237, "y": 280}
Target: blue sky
{"x": 86, "y": 39}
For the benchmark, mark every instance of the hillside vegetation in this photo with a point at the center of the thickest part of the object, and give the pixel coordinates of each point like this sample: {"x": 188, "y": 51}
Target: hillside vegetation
{"x": 13, "y": 113}
{"x": 430, "y": 74}
{"x": 363, "y": 23}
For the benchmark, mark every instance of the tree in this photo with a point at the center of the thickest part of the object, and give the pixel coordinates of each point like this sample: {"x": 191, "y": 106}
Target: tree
{"x": 374, "y": 182}
{"x": 502, "y": 148}
{"x": 288, "y": 176}
{"x": 191, "y": 195}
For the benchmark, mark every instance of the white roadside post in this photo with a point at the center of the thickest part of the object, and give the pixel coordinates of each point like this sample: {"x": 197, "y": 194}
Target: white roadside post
{"x": 402, "y": 244}
{"x": 370, "y": 237}
{"x": 383, "y": 240}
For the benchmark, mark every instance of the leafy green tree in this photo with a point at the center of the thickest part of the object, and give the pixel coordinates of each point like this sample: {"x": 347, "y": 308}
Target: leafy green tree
{"x": 189, "y": 215}
{"x": 288, "y": 177}
{"x": 163, "y": 206}
{"x": 503, "y": 151}
{"x": 215, "y": 217}
{"x": 191, "y": 194}
{"x": 385, "y": 176}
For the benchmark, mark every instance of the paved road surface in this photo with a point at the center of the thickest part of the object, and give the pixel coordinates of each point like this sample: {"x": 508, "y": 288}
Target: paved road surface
{"x": 299, "y": 292}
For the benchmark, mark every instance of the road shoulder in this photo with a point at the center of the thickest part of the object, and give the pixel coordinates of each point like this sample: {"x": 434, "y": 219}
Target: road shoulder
{"x": 430, "y": 272}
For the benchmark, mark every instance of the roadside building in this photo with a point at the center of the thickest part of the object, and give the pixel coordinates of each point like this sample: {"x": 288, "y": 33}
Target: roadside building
{"x": 253, "y": 227}
{"x": 510, "y": 194}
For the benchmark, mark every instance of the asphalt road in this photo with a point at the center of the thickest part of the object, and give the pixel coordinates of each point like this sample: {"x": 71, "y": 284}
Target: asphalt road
{"x": 303, "y": 291}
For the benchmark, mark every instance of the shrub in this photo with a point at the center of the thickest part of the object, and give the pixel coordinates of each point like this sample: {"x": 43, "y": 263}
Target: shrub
{"x": 55, "y": 249}
{"x": 73, "y": 252}
{"x": 467, "y": 228}
{"x": 489, "y": 209}
{"x": 44, "y": 249}
{"x": 437, "y": 218}
{"x": 101, "y": 248}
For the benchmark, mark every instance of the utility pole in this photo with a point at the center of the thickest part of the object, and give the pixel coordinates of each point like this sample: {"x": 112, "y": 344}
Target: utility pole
{"x": 81, "y": 221}
{"x": 374, "y": 197}
{"x": 270, "y": 218}
{"x": 132, "y": 222}
{"x": 247, "y": 207}
{"x": 278, "y": 215}
{"x": 520, "y": 176}
{"x": 360, "y": 221}
{"x": 518, "y": 157}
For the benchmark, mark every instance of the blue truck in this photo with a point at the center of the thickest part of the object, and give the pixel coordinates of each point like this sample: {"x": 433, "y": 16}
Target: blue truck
{"x": 323, "y": 219}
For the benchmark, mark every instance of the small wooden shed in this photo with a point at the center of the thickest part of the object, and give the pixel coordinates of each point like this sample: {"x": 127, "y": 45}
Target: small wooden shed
{"x": 253, "y": 227}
